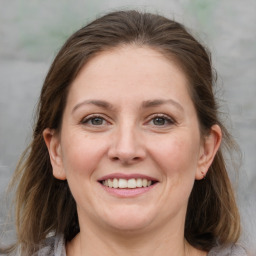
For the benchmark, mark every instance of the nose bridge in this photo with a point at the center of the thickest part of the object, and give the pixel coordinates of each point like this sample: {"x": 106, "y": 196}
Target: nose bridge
{"x": 127, "y": 145}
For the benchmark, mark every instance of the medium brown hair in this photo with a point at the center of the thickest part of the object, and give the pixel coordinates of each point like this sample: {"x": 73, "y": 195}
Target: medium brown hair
{"x": 45, "y": 204}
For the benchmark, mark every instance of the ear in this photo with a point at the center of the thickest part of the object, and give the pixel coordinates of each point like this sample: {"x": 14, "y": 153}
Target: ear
{"x": 52, "y": 142}
{"x": 208, "y": 150}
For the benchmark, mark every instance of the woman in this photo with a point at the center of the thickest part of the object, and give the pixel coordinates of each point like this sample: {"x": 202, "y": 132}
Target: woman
{"x": 126, "y": 156}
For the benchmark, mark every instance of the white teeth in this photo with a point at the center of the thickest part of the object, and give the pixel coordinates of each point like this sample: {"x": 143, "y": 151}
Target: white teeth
{"x": 110, "y": 183}
{"x": 131, "y": 183}
{"x": 123, "y": 183}
{"x": 144, "y": 183}
{"x": 139, "y": 183}
{"x": 115, "y": 183}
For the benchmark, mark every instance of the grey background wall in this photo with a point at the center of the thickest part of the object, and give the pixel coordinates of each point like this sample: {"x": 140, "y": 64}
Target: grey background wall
{"x": 31, "y": 32}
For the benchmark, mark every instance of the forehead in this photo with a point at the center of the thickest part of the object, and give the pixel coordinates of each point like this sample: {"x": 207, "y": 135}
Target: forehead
{"x": 145, "y": 56}
{"x": 131, "y": 70}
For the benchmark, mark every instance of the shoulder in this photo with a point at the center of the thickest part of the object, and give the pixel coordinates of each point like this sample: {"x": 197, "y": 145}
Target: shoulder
{"x": 52, "y": 246}
{"x": 231, "y": 250}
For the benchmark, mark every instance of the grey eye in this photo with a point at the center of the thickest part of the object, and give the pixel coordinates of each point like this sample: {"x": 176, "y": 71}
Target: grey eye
{"x": 159, "y": 121}
{"x": 97, "y": 121}
{"x": 94, "y": 121}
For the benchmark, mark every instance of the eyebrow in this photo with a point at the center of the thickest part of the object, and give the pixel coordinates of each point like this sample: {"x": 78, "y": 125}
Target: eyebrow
{"x": 99, "y": 103}
{"x": 159, "y": 102}
{"x": 145, "y": 104}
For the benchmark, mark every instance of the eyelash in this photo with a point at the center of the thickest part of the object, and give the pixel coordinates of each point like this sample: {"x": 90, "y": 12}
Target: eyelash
{"x": 89, "y": 118}
{"x": 168, "y": 120}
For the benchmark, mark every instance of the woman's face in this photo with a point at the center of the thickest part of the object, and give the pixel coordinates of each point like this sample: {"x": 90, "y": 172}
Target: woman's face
{"x": 130, "y": 146}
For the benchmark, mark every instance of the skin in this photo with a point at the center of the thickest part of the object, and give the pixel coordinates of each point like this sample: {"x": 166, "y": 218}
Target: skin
{"x": 129, "y": 111}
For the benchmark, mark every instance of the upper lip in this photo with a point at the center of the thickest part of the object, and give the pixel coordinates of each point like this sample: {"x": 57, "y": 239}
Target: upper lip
{"x": 126, "y": 176}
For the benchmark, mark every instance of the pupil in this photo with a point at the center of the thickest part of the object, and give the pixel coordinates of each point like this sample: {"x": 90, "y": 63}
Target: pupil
{"x": 159, "y": 121}
{"x": 97, "y": 121}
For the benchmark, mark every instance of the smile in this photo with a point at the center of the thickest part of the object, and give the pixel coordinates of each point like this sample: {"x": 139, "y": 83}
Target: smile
{"x": 127, "y": 183}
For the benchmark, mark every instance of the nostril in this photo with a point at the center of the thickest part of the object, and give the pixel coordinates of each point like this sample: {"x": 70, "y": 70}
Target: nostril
{"x": 125, "y": 160}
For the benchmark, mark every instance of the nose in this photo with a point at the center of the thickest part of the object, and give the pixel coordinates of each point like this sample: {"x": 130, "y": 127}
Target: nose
{"x": 127, "y": 146}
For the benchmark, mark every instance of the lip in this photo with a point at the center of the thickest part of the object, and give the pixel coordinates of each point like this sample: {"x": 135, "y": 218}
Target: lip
{"x": 127, "y": 192}
{"x": 126, "y": 176}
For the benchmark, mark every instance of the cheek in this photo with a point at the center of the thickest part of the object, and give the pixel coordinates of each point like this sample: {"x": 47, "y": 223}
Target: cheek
{"x": 177, "y": 155}
{"x": 80, "y": 154}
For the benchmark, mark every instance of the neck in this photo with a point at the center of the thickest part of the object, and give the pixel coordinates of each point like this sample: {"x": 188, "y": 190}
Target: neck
{"x": 93, "y": 241}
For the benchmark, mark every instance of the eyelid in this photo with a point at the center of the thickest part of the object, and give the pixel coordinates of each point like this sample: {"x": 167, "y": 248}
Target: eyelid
{"x": 89, "y": 117}
{"x": 171, "y": 120}
{"x": 168, "y": 118}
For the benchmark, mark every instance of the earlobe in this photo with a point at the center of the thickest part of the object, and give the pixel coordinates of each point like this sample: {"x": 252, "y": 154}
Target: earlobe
{"x": 52, "y": 142}
{"x": 209, "y": 148}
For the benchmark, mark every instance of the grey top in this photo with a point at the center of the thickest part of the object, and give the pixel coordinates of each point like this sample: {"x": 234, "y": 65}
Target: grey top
{"x": 55, "y": 246}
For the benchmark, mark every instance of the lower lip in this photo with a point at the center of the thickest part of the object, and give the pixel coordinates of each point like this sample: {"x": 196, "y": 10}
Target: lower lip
{"x": 128, "y": 192}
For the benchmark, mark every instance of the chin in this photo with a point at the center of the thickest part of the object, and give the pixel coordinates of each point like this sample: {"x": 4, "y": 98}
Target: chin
{"x": 127, "y": 219}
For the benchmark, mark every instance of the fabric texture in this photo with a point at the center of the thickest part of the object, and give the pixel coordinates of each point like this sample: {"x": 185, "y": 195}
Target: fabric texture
{"x": 55, "y": 246}
{"x": 233, "y": 250}
{"x": 52, "y": 246}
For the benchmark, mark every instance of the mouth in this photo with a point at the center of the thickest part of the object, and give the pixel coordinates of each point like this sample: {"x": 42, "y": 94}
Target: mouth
{"x": 132, "y": 183}
{"x": 127, "y": 185}
{"x": 127, "y": 181}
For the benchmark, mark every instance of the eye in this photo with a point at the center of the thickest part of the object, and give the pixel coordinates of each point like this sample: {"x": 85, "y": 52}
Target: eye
{"x": 161, "y": 120}
{"x": 94, "y": 120}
